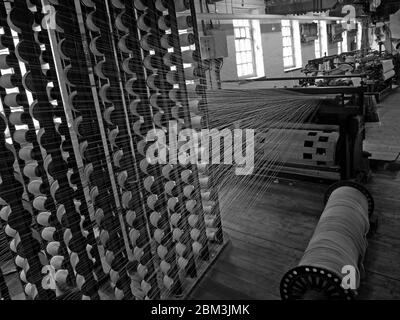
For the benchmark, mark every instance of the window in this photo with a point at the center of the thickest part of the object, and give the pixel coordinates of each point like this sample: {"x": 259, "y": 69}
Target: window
{"x": 344, "y": 43}
{"x": 340, "y": 43}
{"x": 321, "y": 44}
{"x": 288, "y": 45}
{"x": 359, "y": 35}
{"x": 291, "y": 42}
{"x": 244, "y": 48}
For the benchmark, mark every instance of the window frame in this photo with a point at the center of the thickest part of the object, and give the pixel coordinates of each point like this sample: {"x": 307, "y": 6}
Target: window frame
{"x": 244, "y": 29}
{"x": 321, "y": 44}
{"x": 289, "y": 27}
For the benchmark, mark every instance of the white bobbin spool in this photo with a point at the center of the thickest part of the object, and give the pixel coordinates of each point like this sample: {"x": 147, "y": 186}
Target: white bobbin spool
{"x": 193, "y": 220}
{"x": 165, "y": 266}
{"x": 130, "y": 217}
{"x": 142, "y": 271}
{"x": 196, "y": 247}
{"x": 177, "y": 234}
{"x": 119, "y": 294}
{"x": 195, "y": 234}
{"x": 182, "y": 263}
{"x": 162, "y": 251}
{"x": 56, "y": 262}
{"x": 175, "y": 218}
{"x": 114, "y": 276}
{"x": 158, "y": 235}
{"x": 180, "y": 249}
{"x": 146, "y": 287}
{"x": 168, "y": 282}
{"x": 138, "y": 253}
{"x": 31, "y": 291}
{"x": 154, "y": 218}
{"x": 133, "y": 236}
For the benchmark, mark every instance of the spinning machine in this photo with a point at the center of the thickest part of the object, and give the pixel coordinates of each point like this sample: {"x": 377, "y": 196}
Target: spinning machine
{"x": 82, "y": 82}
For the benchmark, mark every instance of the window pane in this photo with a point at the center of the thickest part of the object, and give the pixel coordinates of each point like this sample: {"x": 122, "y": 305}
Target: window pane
{"x": 250, "y": 68}
{"x": 245, "y": 46}
{"x": 237, "y": 45}
{"x": 287, "y": 62}
{"x": 286, "y": 32}
{"x": 249, "y": 57}
{"x": 238, "y": 58}
{"x": 243, "y": 54}
{"x": 242, "y": 45}
{"x": 287, "y": 42}
{"x": 287, "y": 51}
{"x": 245, "y": 71}
{"x": 240, "y": 70}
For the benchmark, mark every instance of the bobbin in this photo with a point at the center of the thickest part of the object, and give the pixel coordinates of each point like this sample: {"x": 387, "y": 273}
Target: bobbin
{"x": 355, "y": 185}
{"x": 317, "y": 283}
{"x": 305, "y": 282}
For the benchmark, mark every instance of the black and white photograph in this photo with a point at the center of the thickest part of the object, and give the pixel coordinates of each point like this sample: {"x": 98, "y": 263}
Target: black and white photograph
{"x": 200, "y": 155}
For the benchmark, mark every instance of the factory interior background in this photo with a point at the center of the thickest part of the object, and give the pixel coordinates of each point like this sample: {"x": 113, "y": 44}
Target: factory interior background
{"x": 199, "y": 149}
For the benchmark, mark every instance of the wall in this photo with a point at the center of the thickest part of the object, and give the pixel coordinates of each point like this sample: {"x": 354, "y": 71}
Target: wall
{"x": 271, "y": 39}
{"x": 273, "y": 56}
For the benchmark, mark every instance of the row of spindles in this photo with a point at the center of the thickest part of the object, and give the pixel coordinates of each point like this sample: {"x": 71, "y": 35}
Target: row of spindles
{"x": 64, "y": 255}
{"x": 182, "y": 69}
{"x": 149, "y": 268}
{"x": 80, "y": 91}
{"x": 208, "y": 174}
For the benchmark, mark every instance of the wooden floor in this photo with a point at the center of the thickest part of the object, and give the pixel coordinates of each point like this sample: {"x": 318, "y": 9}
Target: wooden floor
{"x": 269, "y": 238}
{"x": 383, "y": 139}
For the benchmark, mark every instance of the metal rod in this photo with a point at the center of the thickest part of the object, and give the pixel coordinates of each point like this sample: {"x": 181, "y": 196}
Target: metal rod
{"x": 226, "y": 16}
{"x": 362, "y": 75}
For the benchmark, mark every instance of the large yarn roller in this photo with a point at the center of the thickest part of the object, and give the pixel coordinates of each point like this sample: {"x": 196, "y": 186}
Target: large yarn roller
{"x": 339, "y": 240}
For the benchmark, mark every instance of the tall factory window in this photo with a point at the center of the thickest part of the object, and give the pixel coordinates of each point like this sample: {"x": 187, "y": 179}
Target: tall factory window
{"x": 342, "y": 45}
{"x": 244, "y": 48}
{"x": 288, "y": 45}
{"x": 321, "y": 44}
{"x": 359, "y": 35}
{"x": 291, "y": 42}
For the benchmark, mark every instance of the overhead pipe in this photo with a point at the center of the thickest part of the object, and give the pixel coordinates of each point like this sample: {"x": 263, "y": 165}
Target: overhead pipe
{"x": 228, "y": 16}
